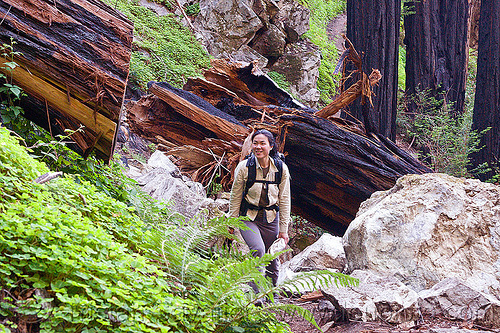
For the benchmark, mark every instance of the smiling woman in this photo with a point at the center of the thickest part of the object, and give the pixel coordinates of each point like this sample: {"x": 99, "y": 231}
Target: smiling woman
{"x": 261, "y": 192}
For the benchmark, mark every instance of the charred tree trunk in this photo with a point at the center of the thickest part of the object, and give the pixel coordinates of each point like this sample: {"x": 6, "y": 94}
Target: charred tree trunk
{"x": 74, "y": 59}
{"x": 436, "y": 50}
{"x": 373, "y": 28}
{"x": 334, "y": 170}
{"x": 487, "y": 99}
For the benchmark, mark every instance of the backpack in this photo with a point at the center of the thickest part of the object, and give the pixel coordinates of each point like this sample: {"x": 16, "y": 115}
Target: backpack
{"x": 252, "y": 174}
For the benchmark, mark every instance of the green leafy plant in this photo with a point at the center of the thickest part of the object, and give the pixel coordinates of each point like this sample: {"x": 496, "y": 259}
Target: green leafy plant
{"x": 164, "y": 49}
{"x": 445, "y": 141}
{"x": 55, "y": 152}
{"x": 152, "y": 147}
{"x": 11, "y": 93}
{"x": 219, "y": 276}
{"x": 73, "y": 259}
{"x": 192, "y": 9}
{"x": 169, "y": 4}
{"x": 280, "y": 80}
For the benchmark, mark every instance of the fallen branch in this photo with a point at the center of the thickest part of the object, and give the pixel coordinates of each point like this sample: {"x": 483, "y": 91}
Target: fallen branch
{"x": 360, "y": 88}
{"x": 47, "y": 177}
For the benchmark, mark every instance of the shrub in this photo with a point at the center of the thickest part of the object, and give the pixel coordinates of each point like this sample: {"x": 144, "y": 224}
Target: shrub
{"x": 280, "y": 80}
{"x": 444, "y": 141}
{"x": 10, "y": 93}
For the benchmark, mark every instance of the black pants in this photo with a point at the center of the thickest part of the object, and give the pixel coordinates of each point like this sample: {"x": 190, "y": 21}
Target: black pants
{"x": 259, "y": 238}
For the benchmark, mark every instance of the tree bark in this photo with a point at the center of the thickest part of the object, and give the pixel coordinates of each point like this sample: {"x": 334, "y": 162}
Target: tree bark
{"x": 474, "y": 11}
{"x": 373, "y": 28}
{"x": 333, "y": 170}
{"x": 74, "y": 59}
{"x": 436, "y": 51}
{"x": 487, "y": 99}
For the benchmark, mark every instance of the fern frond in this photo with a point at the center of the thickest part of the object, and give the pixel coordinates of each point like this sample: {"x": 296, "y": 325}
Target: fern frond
{"x": 293, "y": 309}
{"x": 320, "y": 279}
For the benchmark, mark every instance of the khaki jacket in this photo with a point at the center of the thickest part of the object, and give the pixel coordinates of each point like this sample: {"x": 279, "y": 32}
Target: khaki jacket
{"x": 278, "y": 194}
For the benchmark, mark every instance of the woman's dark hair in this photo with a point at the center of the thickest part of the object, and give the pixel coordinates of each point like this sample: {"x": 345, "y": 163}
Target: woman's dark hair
{"x": 270, "y": 138}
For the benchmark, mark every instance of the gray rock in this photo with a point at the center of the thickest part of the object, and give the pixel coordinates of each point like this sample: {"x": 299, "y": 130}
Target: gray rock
{"x": 225, "y": 25}
{"x": 326, "y": 252}
{"x": 161, "y": 185}
{"x": 159, "y": 160}
{"x": 162, "y": 180}
{"x": 266, "y": 10}
{"x": 427, "y": 228}
{"x": 246, "y": 54}
{"x": 455, "y": 300}
{"x": 300, "y": 65}
{"x": 325, "y": 306}
{"x": 295, "y": 19}
{"x": 270, "y": 42}
{"x": 376, "y": 297}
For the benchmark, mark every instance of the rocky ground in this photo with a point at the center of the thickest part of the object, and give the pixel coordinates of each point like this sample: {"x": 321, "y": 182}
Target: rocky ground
{"x": 325, "y": 316}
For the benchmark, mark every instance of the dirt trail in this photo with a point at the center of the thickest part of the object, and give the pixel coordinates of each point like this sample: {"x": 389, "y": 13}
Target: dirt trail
{"x": 335, "y": 28}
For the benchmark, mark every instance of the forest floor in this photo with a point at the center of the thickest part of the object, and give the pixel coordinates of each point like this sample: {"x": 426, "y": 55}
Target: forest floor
{"x": 335, "y": 28}
{"x": 325, "y": 317}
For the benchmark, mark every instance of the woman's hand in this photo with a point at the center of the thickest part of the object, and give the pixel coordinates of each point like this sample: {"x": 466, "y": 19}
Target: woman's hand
{"x": 284, "y": 235}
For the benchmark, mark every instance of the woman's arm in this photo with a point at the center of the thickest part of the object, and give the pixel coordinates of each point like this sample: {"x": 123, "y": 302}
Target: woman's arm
{"x": 285, "y": 204}
{"x": 237, "y": 190}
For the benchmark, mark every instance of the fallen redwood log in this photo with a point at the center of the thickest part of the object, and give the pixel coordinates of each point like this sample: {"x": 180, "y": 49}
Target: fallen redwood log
{"x": 333, "y": 169}
{"x": 334, "y": 163}
{"x": 73, "y": 63}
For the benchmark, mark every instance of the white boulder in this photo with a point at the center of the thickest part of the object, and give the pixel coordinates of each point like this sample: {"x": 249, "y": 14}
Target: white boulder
{"x": 377, "y": 297}
{"x": 453, "y": 299}
{"x": 427, "y": 228}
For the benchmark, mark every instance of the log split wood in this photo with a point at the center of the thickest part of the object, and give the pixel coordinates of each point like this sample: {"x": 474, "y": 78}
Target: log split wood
{"x": 74, "y": 61}
{"x": 334, "y": 163}
{"x": 360, "y": 88}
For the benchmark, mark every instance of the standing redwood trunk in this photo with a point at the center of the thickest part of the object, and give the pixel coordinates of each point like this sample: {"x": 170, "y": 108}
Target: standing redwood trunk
{"x": 373, "y": 28}
{"x": 436, "y": 50}
{"x": 474, "y": 9}
{"x": 487, "y": 100}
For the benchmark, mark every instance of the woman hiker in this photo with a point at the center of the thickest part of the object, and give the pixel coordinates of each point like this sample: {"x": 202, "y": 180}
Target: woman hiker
{"x": 261, "y": 191}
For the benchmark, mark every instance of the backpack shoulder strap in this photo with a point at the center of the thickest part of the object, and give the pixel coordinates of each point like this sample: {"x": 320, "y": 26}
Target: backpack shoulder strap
{"x": 252, "y": 173}
{"x": 279, "y": 165}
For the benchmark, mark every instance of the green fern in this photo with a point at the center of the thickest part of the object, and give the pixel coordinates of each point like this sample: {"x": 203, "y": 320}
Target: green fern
{"x": 222, "y": 278}
{"x": 314, "y": 280}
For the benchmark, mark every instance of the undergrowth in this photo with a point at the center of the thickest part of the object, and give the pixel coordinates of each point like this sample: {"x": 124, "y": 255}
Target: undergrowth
{"x": 10, "y": 93}
{"x": 164, "y": 50}
{"x": 322, "y": 12}
{"x": 280, "y": 80}
{"x": 73, "y": 259}
{"x": 444, "y": 141}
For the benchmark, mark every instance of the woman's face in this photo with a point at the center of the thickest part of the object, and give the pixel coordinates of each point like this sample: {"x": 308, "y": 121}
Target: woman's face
{"x": 261, "y": 146}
